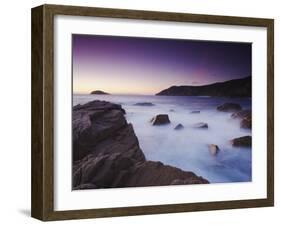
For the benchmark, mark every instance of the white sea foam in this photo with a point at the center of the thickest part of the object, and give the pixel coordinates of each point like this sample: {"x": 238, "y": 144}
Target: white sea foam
{"x": 187, "y": 148}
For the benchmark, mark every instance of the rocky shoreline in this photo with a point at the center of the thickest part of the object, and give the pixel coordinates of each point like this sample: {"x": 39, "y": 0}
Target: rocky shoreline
{"x": 106, "y": 152}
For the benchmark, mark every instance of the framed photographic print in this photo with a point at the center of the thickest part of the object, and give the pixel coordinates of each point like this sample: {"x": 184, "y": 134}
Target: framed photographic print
{"x": 141, "y": 112}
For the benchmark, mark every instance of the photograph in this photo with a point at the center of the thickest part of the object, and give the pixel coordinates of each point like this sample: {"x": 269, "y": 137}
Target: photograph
{"x": 138, "y": 112}
{"x": 149, "y": 111}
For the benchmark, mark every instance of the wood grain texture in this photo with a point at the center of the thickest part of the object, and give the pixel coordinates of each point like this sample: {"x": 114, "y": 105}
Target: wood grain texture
{"x": 43, "y": 109}
{"x": 37, "y": 158}
{"x": 270, "y": 111}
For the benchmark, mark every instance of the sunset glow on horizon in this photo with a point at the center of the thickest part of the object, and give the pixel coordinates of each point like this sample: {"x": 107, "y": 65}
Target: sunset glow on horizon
{"x": 130, "y": 65}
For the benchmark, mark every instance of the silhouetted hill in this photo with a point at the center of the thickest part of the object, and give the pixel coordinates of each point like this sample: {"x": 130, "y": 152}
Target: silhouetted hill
{"x": 99, "y": 92}
{"x": 232, "y": 88}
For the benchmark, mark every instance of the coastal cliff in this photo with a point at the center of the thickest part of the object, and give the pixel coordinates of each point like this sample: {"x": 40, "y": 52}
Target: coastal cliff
{"x": 106, "y": 152}
{"x": 232, "y": 88}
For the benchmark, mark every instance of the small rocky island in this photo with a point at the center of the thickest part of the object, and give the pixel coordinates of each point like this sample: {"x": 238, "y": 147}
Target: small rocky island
{"x": 99, "y": 92}
{"x": 106, "y": 152}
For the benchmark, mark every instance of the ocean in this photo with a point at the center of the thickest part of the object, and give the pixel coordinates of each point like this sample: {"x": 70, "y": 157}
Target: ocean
{"x": 187, "y": 149}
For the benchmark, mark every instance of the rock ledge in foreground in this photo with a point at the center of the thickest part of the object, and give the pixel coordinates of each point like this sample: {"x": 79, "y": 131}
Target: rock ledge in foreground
{"x": 106, "y": 152}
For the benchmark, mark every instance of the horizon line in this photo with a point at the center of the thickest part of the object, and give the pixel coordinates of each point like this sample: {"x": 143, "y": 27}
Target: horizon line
{"x": 152, "y": 94}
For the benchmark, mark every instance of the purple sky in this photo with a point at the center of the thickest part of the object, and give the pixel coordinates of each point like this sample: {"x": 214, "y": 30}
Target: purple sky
{"x": 130, "y": 65}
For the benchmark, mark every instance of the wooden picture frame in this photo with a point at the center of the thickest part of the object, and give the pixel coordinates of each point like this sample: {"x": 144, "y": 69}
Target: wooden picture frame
{"x": 42, "y": 203}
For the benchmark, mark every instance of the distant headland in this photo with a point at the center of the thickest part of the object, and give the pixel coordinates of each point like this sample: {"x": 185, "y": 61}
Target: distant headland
{"x": 232, "y": 88}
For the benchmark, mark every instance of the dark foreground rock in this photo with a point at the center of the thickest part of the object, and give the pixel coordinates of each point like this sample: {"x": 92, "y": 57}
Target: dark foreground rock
{"x": 106, "y": 152}
{"x": 152, "y": 173}
{"x": 229, "y": 107}
{"x": 201, "y": 125}
{"x": 245, "y": 141}
{"x": 148, "y": 104}
{"x": 179, "y": 127}
{"x": 160, "y": 120}
{"x": 246, "y": 118}
{"x": 94, "y": 122}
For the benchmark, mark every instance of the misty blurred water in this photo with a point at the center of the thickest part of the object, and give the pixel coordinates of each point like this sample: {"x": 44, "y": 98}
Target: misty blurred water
{"x": 188, "y": 148}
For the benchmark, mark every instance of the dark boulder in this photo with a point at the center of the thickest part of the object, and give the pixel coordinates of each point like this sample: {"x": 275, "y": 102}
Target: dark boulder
{"x": 160, "y": 120}
{"x": 245, "y": 117}
{"x": 148, "y": 104}
{"x": 213, "y": 149}
{"x": 241, "y": 114}
{"x": 179, "y": 127}
{"x": 201, "y": 125}
{"x": 194, "y": 112}
{"x": 229, "y": 107}
{"x": 245, "y": 141}
{"x": 246, "y": 123}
